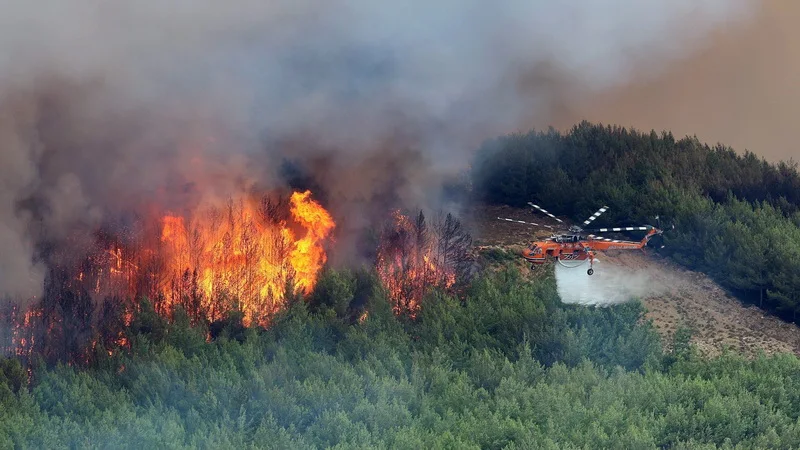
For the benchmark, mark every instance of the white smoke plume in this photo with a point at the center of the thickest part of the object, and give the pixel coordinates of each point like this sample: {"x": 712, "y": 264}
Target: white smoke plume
{"x": 610, "y": 284}
{"x": 107, "y": 105}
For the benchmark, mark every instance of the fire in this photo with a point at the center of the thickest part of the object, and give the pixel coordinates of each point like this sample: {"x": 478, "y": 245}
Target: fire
{"x": 413, "y": 259}
{"x": 309, "y": 256}
{"x": 23, "y": 338}
{"x": 242, "y": 255}
{"x": 246, "y": 256}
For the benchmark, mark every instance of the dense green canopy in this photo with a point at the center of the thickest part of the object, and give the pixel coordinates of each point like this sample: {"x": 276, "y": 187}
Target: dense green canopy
{"x": 737, "y": 216}
{"x": 503, "y": 365}
{"x": 507, "y": 367}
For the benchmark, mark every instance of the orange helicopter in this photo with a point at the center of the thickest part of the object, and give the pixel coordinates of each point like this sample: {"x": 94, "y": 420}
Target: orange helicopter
{"x": 573, "y": 245}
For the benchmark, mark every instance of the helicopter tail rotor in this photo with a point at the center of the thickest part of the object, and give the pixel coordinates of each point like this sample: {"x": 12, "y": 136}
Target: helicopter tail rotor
{"x": 662, "y": 228}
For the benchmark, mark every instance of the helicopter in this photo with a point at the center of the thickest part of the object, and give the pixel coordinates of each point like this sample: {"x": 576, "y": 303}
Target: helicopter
{"x": 575, "y": 244}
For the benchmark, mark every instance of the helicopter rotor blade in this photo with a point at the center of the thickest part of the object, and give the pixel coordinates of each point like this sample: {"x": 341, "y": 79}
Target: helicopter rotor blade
{"x": 545, "y": 211}
{"x": 619, "y": 229}
{"x": 616, "y": 241}
{"x": 595, "y": 215}
{"x": 525, "y": 223}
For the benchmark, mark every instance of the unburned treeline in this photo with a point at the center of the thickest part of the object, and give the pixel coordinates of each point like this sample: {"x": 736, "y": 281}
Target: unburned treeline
{"x": 737, "y": 217}
{"x": 506, "y": 366}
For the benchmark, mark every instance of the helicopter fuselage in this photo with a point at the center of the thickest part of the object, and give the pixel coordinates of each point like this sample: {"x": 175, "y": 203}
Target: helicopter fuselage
{"x": 576, "y": 247}
{"x": 540, "y": 252}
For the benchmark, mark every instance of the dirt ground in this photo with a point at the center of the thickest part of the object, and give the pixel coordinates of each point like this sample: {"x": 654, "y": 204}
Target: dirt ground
{"x": 681, "y": 297}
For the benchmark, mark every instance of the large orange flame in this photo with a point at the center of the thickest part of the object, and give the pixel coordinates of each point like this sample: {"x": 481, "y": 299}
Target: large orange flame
{"x": 246, "y": 255}
{"x": 240, "y": 255}
{"x": 308, "y": 256}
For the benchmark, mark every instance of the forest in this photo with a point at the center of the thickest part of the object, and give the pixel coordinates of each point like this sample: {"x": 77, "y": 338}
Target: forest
{"x": 490, "y": 359}
{"x": 736, "y": 216}
{"x": 505, "y": 366}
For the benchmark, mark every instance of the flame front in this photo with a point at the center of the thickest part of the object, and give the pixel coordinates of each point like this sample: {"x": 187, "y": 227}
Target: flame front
{"x": 242, "y": 258}
{"x": 246, "y": 256}
{"x": 308, "y": 255}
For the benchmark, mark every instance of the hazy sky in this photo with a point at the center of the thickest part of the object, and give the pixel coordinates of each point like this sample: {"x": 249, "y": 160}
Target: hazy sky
{"x": 113, "y": 107}
{"x": 742, "y": 89}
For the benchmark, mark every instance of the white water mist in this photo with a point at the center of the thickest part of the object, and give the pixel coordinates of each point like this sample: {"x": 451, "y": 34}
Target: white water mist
{"x": 611, "y": 284}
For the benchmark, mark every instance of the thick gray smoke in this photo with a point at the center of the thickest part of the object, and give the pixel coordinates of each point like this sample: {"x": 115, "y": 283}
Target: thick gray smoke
{"x": 611, "y": 283}
{"x": 108, "y": 105}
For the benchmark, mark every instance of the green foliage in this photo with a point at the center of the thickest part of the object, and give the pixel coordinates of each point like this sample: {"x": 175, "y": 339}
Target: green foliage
{"x": 335, "y": 291}
{"x": 498, "y": 255}
{"x": 505, "y": 365}
{"x": 681, "y": 344}
{"x": 736, "y": 216}
{"x": 508, "y": 366}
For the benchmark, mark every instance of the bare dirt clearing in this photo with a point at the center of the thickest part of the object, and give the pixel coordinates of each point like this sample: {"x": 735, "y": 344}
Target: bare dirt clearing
{"x": 683, "y": 297}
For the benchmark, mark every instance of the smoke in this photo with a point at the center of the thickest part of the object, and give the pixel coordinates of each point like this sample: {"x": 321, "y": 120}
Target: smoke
{"x": 105, "y": 107}
{"x": 610, "y": 284}
{"x": 739, "y": 88}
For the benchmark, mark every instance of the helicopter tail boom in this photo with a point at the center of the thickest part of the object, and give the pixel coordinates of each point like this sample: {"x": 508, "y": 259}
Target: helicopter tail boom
{"x": 598, "y": 243}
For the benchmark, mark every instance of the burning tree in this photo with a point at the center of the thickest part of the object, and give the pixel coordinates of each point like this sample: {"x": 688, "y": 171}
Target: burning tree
{"x": 243, "y": 256}
{"x": 58, "y": 328}
{"x": 414, "y": 258}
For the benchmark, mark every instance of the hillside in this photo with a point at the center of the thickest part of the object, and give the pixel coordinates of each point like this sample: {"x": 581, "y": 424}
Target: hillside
{"x": 507, "y": 366}
{"x": 680, "y": 296}
{"x": 415, "y": 352}
{"x": 737, "y": 216}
